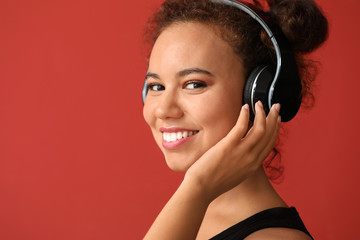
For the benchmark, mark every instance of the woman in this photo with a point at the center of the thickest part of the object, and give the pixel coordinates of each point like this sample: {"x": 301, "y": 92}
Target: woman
{"x": 201, "y": 56}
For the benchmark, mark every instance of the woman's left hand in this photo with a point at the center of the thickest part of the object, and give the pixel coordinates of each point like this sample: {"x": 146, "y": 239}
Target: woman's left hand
{"x": 238, "y": 155}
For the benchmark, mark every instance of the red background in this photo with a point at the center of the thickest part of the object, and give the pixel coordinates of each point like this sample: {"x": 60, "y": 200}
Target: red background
{"x": 77, "y": 161}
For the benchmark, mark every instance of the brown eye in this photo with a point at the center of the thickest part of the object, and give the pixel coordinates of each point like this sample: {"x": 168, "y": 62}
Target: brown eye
{"x": 156, "y": 87}
{"x": 194, "y": 84}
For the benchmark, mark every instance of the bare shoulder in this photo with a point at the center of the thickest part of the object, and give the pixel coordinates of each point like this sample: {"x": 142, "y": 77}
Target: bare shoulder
{"x": 278, "y": 234}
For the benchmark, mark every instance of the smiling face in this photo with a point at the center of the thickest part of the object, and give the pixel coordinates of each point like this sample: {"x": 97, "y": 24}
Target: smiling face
{"x": 195, "y": 90}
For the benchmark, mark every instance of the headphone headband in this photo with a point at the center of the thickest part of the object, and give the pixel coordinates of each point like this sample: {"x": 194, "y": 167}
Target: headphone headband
{"x": 255, "y": 16}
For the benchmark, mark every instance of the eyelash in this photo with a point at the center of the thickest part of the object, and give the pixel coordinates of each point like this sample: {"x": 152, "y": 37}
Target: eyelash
{"x": 152, "y": 85}
{"x": 198, "y": 84}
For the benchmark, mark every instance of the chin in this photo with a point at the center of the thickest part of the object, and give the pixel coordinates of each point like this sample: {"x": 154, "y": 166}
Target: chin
{"x": 178, "y": 164}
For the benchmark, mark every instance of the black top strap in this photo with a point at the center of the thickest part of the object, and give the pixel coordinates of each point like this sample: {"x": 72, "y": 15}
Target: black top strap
{"x": 273, "y": 217}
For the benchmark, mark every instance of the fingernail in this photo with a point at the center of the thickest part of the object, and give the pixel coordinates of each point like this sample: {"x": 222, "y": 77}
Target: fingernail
{"x": 246, "y": 107}
{"x": 260, "y": 104}
{"x": 277, "y": 107}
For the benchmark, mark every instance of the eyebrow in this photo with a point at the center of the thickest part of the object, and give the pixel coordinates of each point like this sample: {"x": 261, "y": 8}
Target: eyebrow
{"x": 188, "y": 71}
{"x": 182, "y": 73}
{"x": 153, "y": 75}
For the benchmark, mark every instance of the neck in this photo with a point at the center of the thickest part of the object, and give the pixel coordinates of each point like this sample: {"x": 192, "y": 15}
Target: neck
{"x": 251, "y": 196}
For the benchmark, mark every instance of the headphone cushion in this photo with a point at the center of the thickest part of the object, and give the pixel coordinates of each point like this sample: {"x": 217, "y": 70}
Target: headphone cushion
{"x": 144, "y": 91}
{"x": 262, "y": 76}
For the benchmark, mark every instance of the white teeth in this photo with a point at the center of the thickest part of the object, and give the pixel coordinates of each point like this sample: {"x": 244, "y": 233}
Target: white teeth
{"x": 168, "y": 137}
{"x": 179, "y": 135}
{"x": 173, "y": 136}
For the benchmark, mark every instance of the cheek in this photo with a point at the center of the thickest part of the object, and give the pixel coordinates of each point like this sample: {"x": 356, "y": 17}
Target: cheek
{"x": 217, "y": 117}
{"x": 220, "y": 120}
{"x": 224, "y": 106}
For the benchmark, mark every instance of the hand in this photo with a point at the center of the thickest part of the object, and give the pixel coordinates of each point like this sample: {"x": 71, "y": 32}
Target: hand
{"x": 235, "y": 157}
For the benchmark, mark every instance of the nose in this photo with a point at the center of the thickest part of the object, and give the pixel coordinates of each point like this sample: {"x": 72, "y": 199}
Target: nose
{"x": 168, "y": 106}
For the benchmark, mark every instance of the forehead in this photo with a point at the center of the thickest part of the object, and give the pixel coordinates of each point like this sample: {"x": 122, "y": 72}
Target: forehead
{"x": 184, "y": 45}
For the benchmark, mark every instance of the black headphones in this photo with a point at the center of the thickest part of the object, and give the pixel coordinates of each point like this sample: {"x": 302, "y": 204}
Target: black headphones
{"x": 269, "y": 83}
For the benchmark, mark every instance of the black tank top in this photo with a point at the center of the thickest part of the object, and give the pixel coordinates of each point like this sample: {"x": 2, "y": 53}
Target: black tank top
{"x": 273, "y": 217}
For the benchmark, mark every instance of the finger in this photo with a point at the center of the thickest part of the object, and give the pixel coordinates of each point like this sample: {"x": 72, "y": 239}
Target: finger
{"x": 241, "y": 126}
{"x": 272, "y": 131}
{"x": 271, "y": 144}
{"x": 273, "y": 121}
{"x": 258, "y": 130}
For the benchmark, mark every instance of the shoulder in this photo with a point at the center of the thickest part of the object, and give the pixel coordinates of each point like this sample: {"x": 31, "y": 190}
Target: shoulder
{"x": 278, "y": 234}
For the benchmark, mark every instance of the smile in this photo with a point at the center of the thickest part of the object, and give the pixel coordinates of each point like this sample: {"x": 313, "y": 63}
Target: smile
{"x": 174, "y": 136}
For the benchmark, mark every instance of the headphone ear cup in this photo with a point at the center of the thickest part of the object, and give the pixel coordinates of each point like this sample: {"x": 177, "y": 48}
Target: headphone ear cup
{"x": 144, "y": 91}
{"x": 257, "y": 87}
{"x": 247, "y": 91}
{"x": 288, "y": 88}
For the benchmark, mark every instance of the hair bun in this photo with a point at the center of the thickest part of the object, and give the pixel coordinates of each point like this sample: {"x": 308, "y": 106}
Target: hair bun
{"x": 302, "y": 22}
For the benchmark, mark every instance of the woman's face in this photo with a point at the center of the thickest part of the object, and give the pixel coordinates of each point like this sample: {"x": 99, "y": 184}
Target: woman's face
{"x": 196, "y": 83}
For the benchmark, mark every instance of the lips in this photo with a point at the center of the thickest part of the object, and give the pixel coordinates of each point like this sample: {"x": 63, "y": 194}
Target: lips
{"x": 174, "y": 137}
